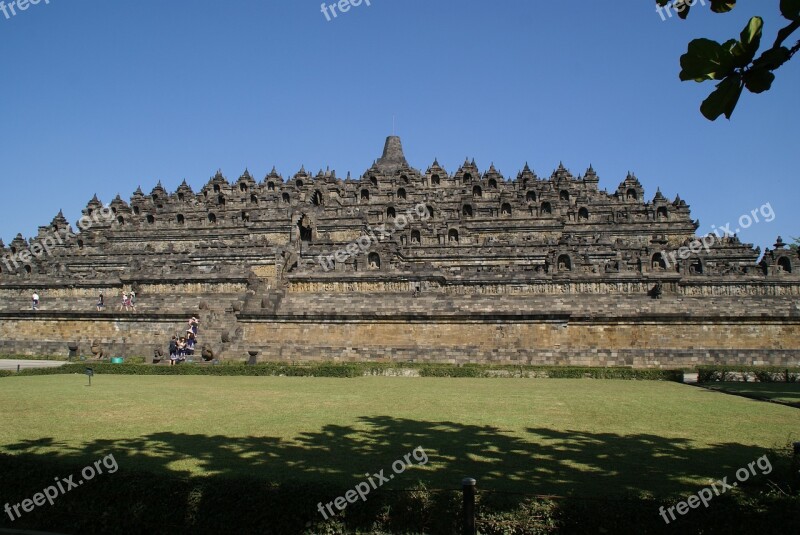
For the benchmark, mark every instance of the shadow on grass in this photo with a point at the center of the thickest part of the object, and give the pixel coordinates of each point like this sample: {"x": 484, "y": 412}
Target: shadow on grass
{"x": 268, "y": 485}
{"x": 783, "y": 393}
{"x": 545, "y": 462}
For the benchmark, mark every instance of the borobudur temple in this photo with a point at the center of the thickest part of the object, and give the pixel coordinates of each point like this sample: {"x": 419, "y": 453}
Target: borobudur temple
{"x": 407, "y": 266}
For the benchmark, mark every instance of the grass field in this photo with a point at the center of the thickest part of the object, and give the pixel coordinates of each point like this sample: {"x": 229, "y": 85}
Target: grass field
{"x": 783, "y": 392}
{"x": 541, "y": 436}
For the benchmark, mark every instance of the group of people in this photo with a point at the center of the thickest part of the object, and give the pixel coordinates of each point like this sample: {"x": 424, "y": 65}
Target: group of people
{"x": 181, "y": 347}
{"x": 128, "y": 301}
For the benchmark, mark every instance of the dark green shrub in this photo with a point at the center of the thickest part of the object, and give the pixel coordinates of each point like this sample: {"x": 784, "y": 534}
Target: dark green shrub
{"x": 359, "y": 369}
{"x": 615, "y": 373}
{"x": 337, "y": 370}
{"x": 763, "y": 374}
{"x": 450, "y": 371}
{"x": 269, "y": 369}
{"x": 171, "y": 503}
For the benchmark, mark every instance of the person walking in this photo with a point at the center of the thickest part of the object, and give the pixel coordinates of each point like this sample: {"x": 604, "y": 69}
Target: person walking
{"x": 100, "y": 303}
{"x": 35, "y": 299}
{"x": 173, "y": 351}
{"x": 190, "y": 343}
{"x": 132, "y": 300}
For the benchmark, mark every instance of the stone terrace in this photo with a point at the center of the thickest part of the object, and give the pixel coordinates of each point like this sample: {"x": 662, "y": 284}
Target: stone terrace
{"x": 401, "y": 264}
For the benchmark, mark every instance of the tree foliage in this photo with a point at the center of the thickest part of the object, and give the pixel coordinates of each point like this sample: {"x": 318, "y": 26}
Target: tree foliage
{"x": 734, "y": 63}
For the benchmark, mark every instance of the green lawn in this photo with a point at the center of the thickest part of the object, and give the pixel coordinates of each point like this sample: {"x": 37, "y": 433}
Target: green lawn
{"x": 784, "y": 392}
{"x": 543, "y": 436}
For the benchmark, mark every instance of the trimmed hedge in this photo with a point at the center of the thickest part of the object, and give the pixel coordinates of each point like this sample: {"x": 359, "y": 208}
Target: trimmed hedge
{"x": 360, "y": 369}
{"x": 322, "y": 370}
{"x": 6, "y": 373}
{"x": 453, "y": 371}
{"x": 616, "y": 373}
{"x": 552, "y": 372}
{"x": 761, "y": 374}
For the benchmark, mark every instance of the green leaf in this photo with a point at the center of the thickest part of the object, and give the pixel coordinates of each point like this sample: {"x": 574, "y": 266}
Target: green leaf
{"x": 758, "y": 80}
{"x": 723, "y": 99}
{"x": 722, "y": 6}
{"x": 790, "y": 9}
{"x": 706, "y": 60}
{"x": 745, "y": 49}
{"x": 773, "y": 58}
{"x": 751, "y": 35}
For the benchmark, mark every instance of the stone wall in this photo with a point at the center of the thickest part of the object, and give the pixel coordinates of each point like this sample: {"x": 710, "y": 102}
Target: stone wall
{"x": 547, "y": 340}
{"x": 525, "y": 286}
{"x": 49, "y": 334}
{"x": 647, "y": 343}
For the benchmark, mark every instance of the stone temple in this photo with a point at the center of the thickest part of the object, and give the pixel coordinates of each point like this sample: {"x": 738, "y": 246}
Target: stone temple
{"x": 403, "y": 265}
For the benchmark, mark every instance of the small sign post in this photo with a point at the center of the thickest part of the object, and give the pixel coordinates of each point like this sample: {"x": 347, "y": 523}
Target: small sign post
{"x": 89, "y": 372}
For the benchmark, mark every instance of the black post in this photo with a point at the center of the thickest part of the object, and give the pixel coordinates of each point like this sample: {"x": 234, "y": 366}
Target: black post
{"x": 468, "y": 487}
{"x": 796, "y": 462}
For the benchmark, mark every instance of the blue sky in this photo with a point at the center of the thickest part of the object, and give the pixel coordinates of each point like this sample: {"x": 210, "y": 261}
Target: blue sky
{"x": 101, "y": 96}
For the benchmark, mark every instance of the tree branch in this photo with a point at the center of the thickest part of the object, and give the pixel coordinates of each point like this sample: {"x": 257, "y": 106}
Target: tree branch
{"x": 794, "y": 49}
{"x": 785, "y": 33}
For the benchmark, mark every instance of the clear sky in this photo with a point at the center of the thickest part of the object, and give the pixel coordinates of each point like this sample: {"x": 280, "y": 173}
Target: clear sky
{"x": 101, "y": 96}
